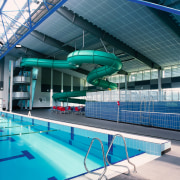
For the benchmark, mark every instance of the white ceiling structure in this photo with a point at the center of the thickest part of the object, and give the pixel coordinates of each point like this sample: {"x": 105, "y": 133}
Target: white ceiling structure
{"x": 147, "y": 40}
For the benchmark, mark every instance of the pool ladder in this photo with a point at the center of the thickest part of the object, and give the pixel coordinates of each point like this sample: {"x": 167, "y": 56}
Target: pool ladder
{"x": 105, "y": 159}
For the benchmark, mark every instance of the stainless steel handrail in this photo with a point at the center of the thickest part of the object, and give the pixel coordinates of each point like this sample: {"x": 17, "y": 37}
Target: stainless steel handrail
{"x": 125, "y": 150}
{"x": 104, "y": 159}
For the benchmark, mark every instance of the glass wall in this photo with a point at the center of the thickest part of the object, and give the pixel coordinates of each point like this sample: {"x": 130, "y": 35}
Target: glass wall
{"x": 167, "y": 72}
{"x": 117, "y": 78}
{"x": 57, "y": 81}
{"x": 66, "y": 82}
{"x": 154, "y": 74}
{"x": 76, "y": 84}
{"x": 45, "y": 79}
{"x": 175, "y": 71}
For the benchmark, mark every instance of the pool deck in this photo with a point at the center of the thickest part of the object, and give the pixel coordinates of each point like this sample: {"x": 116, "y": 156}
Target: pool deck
{"x": 166, "y": 167}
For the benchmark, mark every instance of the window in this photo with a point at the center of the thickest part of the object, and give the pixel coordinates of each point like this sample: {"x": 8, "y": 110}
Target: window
{"x": 122, "y": 78}
{"x": 146, "y": 75}
{"x": 76, "y": 84}
{"x": 175, "y": 71}
{"x": 166, "y": 72}
{"x": 139, "y": 76}
{"x": 154, "y": 74}
{"x": 132, "y": 77}
{"x": 45, "y": 79}
{"x": 66, "y": 82}
{"x": 56, "y": 81}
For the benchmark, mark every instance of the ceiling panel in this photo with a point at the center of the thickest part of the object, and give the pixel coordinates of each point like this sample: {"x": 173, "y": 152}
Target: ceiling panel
{"x": 36, "y": 45}
{"x": 134, "y": 65}
{"x": 135, "y": 25}
{"x": 59, "y": 28}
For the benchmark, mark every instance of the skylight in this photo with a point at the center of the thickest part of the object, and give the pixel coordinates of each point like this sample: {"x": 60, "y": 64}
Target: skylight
{"x": 14, "y": 14}
{"x": 19, "y": 17}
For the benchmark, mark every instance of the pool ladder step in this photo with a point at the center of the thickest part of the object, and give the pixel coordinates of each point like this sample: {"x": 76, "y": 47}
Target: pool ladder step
{"x": 105, "y": 159}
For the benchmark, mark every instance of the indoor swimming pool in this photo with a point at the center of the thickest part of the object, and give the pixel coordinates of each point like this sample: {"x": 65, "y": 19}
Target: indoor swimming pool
{"x": 39, "y": 150}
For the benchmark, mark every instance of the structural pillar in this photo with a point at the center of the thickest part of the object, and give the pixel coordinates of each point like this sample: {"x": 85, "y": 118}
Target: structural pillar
{"x": 51, "y": 90}
{"x": 11, "y": 87}
{"x": 81, "y": 84}
{"x": 159, "y": 85}
{"x": 126, "y": 86}
{"x": 62, "y": 82}
{"x": 30, "y": 101}
{"x": 62, "y": 85}
{"x": 71, "y": 83}
{"x": 26, "y": 104}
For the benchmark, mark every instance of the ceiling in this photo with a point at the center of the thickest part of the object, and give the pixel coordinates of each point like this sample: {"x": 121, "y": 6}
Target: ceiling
{"x": 138, "y": 35}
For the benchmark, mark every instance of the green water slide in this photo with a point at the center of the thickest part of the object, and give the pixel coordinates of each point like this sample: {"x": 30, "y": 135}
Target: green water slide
{"x": 110, "y": 65}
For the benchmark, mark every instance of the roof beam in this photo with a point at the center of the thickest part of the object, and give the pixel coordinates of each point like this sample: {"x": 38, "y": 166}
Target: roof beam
{"x": 122, "y": 72}
{"x": 98, "y": 32}
{"x": 173, "y": 4}
{"x": 58, "y": 44}
{"x": 166, "y": 19}
{"x": 51, "y": 41}
{"x": 157, "y": 6}
{"x": 30, "y": 52}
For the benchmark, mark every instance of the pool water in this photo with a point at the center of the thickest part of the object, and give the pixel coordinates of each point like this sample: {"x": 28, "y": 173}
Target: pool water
{"x": 30, "y": 151}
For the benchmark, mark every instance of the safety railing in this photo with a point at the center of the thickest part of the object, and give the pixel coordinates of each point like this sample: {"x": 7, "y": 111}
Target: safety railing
{"x": 125, "y": 151}
{"x": 104, "y": 159}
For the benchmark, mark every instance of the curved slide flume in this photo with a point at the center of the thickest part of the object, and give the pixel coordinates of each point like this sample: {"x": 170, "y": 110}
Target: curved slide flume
{"x": 111, "y": 63}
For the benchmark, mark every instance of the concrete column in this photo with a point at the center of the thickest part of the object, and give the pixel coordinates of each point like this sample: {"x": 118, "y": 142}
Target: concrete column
{"x": 81, "y": 84}
{"x": 71, "y": 83}
{"x": 5, "y": 95}
{"x": 26, "y": 104}
{"x": 62, "y": 89}
{"x": 62, "y": 81}
{"x": 11, "y": 87}
{"x": 159, "y": 84}
{"x": 126, "y": 86}
{"x": 51, "y": 90}
{"x": 30, "y": 101}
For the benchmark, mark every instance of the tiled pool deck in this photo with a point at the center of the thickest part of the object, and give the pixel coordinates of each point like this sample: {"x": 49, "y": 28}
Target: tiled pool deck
{"x": 164, "y": 167}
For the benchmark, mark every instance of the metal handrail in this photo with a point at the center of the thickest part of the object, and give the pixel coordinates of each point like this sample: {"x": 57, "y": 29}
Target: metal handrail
{"x": 104, "y": 159}
{"x": 126, "y": 153}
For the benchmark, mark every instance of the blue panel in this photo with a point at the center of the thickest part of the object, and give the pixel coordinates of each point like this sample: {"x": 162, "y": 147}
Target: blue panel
{"x": 52, "y": 178}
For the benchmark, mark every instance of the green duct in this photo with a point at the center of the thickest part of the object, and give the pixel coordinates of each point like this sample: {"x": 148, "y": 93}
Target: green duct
{"x": 111, "y": 63}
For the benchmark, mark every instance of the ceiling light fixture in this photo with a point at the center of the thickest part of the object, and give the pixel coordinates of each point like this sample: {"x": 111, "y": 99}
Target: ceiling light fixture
{"x": 18, "y": 46}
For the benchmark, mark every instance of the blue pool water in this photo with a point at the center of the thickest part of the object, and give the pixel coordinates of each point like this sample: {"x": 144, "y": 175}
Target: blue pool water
{"x": 36, "y": 150}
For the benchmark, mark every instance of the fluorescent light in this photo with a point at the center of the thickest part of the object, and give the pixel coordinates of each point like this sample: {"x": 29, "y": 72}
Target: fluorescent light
{"x": 18, "y": 46}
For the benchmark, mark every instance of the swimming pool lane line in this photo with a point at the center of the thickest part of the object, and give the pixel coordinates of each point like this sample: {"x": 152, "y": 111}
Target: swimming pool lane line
{"x": 19, "y": 134}
{"x": 18, "y": 126}
{"x": 8, "y": 139}
{"x": 13, "y": 121}
{"x": 24, "y": 154}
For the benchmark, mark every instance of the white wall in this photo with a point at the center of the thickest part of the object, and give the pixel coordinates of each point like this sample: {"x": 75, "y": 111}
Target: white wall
{"x": 5, "y": 92}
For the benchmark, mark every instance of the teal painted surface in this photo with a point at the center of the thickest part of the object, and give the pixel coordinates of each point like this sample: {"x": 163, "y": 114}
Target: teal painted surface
{"x": 110, "y": 65}
{"x": 34, "y": 79}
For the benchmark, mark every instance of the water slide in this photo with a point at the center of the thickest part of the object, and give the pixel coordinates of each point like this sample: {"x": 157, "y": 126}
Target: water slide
{"x": 110, "y": 65}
